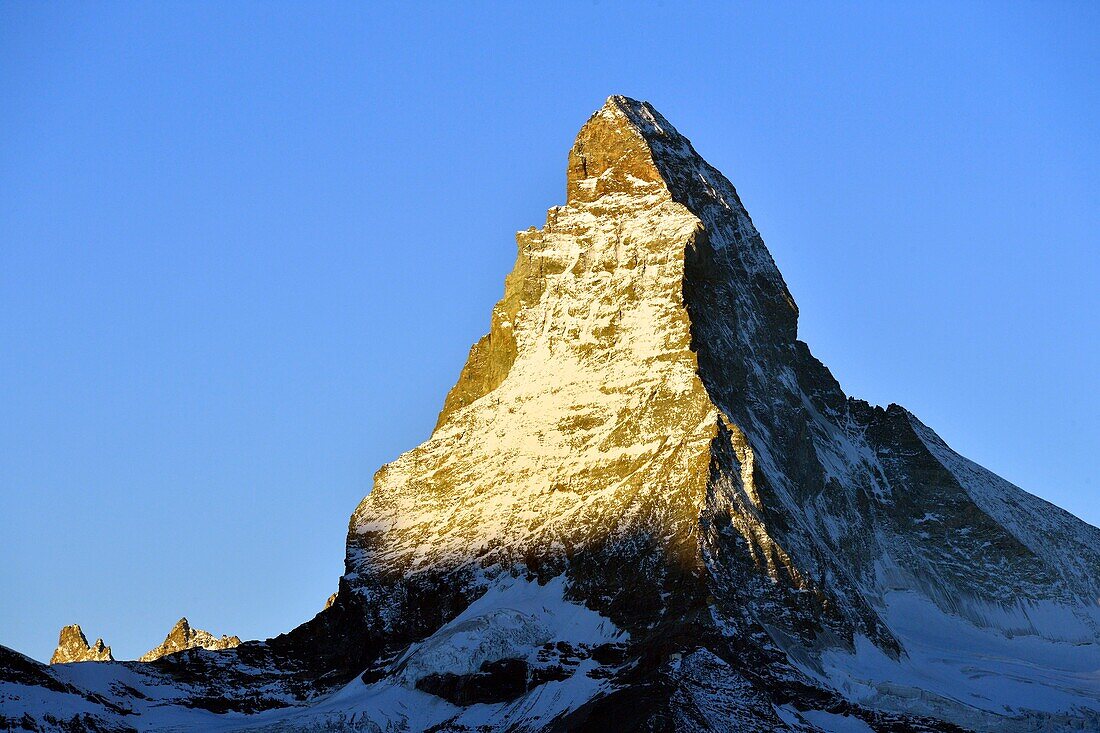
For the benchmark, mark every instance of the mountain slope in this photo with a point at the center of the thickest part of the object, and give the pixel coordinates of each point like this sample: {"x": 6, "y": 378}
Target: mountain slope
{"x": 647, "y": 506}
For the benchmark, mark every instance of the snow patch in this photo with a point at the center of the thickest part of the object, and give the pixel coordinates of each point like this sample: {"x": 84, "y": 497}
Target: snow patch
{"x": 510, "y": 621}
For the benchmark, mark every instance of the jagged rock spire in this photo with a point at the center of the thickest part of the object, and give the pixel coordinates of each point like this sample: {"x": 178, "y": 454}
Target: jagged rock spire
{"x": 183, "y": 637}
{"x": 72, "y": 646}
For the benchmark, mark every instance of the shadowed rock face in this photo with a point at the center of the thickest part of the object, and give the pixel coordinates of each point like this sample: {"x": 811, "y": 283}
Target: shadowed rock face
{"x": 183, "y": 637}
{"x": 647, "y": 506}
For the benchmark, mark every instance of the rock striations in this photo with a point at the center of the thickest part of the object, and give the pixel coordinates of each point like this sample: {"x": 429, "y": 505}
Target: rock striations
{"x": 647, "y": 506}
{"x": 182, "y": 637}
{"x": 72, "y": 646}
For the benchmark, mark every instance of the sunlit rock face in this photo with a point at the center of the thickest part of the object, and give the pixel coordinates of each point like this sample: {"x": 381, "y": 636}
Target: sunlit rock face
{"x": 646, "y": 506}
{"x": 72, "y": 646}
{"x": 579, "y": 431}
{"x": 183, "y": 637}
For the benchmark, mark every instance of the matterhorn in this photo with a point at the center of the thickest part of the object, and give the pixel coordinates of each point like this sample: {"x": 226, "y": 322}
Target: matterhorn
{"x": 646, "y": 506}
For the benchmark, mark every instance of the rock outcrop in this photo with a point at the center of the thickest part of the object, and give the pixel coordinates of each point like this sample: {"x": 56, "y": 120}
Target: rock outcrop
{"x": 72, "y": 646}
{"x": 183, "y": 637}
{"x": 646, "y": 506}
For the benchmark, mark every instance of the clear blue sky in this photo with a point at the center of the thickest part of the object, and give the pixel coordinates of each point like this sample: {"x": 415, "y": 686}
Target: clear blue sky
{"x": 245, "y": 247}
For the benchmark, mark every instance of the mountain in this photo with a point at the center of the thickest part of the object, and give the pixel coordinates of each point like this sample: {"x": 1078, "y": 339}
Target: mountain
{"x": 646, "y": 506}
{"x": 72, "y": 646}
{"x": 183, "y": 637}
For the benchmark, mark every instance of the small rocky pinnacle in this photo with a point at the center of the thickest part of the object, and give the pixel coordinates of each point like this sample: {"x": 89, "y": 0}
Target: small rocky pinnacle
{"x": 183, "y": 637}
{"x": 72, "y": 646}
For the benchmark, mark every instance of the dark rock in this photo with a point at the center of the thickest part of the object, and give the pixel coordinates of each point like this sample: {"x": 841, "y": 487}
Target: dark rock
{"x": 498, "y": 681}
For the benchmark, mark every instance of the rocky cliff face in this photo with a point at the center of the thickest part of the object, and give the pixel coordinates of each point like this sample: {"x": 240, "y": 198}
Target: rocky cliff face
{"x": 647, "y": 506}
{"x": 72, "y": 646}
{"x": 183, "y": 637}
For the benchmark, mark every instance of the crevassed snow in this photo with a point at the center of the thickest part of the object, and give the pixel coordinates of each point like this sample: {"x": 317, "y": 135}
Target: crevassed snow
{"x": 953, "y": 665}
{"x": 833, "y": 723}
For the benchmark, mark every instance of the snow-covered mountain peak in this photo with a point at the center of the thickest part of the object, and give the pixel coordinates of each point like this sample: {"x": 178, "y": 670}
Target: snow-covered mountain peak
{"x": 642, "y": 419}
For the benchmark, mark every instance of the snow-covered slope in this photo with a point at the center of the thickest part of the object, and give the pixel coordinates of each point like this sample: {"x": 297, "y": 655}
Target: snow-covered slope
{"x": 647, "y": 506}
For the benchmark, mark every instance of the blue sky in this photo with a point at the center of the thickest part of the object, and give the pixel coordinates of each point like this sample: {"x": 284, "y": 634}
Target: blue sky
{"x": 245, "y": 247}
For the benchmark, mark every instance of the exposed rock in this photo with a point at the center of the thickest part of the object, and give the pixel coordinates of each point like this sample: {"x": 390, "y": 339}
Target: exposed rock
{"x": 183, "y": 637}
{"x": 498, "y": 681}
{"x": 72, "y": 646}
{"x": 331, "y": 600}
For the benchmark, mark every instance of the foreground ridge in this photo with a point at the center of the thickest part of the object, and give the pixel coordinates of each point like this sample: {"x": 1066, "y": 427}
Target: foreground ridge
{"x": 645, "y": 505}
